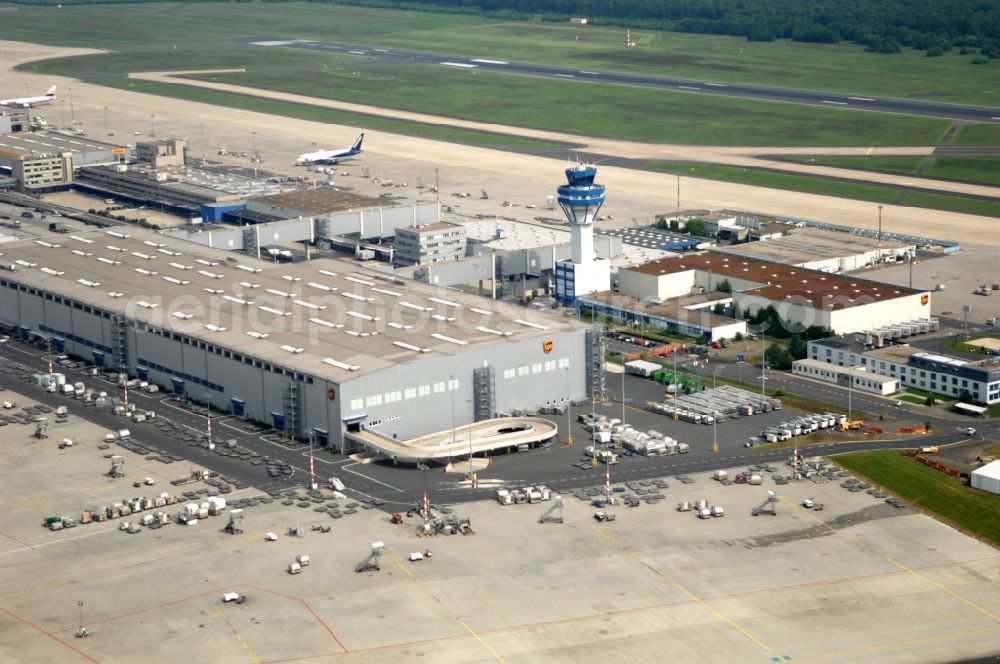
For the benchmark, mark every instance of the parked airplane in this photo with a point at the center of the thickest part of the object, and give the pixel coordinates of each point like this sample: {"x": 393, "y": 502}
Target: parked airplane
{"x": 331, "y": 156}
{"x": 28, "y": 102}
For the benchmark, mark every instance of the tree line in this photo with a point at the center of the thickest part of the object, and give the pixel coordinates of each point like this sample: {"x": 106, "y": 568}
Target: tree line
{"x": 881, "y": 26}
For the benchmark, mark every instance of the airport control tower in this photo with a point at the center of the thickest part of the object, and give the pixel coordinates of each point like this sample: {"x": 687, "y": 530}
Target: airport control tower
{"x": 580, "y": 200}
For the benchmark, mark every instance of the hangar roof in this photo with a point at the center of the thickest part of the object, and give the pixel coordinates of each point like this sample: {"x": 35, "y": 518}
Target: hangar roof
{"x": 779, "y": 281}
{"x": 321, "y": 200}
{"x": 810, "y": 244}
{"x": 327, "y": 318}
{"x": 49, "y": 142}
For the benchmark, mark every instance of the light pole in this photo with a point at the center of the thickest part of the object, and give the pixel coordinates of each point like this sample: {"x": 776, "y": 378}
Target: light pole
{"x": 202, "y": 143}
{"x": 312, "y": 463}
{"x": 26, "y": 89}
{"x": 850, "y": 391}
{"x": 152, "y": 125}
{"x": 62, "y": 103}
{"x": 763, "y": 363}
{"x": 253, "y": 144}
{"x": 107, "y": 127}
{"x": 471, "y": 472}
{"x": 208, "y": 418}
{"x": 621, "y": 354}
{"x": 878, "y": 257}
{"x": 72, "y": 111}
{"x": 453, "y": 441}
{"x": 569, "y": 436}
{"x": 422, "y": 506}
{"x": 80, "y": 631}
{"x": 715, "y": 420}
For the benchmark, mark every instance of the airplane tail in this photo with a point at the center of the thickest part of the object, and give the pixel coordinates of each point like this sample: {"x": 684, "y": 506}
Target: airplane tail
{"x": 51, "y": 92}
{"x": 357, "y": 144}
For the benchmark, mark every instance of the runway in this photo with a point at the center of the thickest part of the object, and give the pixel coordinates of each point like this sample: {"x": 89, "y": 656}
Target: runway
{"x": 895, "y": 105}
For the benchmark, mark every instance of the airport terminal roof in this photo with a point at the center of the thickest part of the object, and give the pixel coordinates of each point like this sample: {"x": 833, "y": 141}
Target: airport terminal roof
{"x": 780, "y": 282}
{"x": 899, "y": 354}
{"x": 48, "y": 142}
{"x": 516, "y": 235}
{"x": 326, "y": 318}
{"x": 321, "y": 200}
{"x": 803, "y": 245}
{"x": 432, "y": 227}
{"x": 670, "y": 309}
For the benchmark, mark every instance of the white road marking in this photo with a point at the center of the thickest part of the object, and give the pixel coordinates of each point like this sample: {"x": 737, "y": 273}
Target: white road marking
{"x": 357, "y": 52}
{"x": 464, "y": 65}
{"x": 836, "y": 103}
{"x": 861, "y": 98}
{"x": 688, "y": 87}
{"x": 563, "y": 75}
{"x": 370, "y": 479}
{"x": 717, "y": 85}
{"x": 489, "y": 62}
{"x": 591, "y": 73}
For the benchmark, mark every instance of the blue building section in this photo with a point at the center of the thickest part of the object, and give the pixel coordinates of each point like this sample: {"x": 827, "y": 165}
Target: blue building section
{"x": 680, "y": 245}
{"x": 213, "y": 213}
{"x": 565, "y": 281}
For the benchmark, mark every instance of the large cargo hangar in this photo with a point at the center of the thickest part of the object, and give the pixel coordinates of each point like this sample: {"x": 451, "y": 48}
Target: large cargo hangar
{"x": 313, "y": 348}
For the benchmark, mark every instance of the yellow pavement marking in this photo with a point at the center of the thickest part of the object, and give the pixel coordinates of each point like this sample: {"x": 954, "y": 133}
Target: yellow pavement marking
{"x": 685, "y": 591}
{"x": 239, "y": 637}
{"x": 36, "y": 589}
{"x": 898, "y": 564}
{"x": 896, "y": 644}
{"x": 448, "y": 609}
{"x": 869, "y": 152}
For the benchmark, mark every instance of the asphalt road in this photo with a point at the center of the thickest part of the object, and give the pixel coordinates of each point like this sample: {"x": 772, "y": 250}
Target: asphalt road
{"x": 806, "y": 97}
{"x": 556, "y": 466}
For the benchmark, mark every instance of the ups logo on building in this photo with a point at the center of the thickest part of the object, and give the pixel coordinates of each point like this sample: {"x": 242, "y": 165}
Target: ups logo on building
{"x": 547, "y": 346}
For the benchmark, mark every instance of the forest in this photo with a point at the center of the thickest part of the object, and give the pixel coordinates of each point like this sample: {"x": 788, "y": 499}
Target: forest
{"x": 882, "y": 26}
{"x": 970, "y": 27}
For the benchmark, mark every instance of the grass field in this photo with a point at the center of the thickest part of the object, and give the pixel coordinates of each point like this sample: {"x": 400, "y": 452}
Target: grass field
{"x": 842, "y": 67}
{"x": 974, "y": 169}
{"x": 954, "y": 203}
{"x": 968, "y": 347}
{"x": 946, "y": 497}
{"x": 923, "y": 394}
{"x": 809, "y": 183}
{"x": 317, "y": 114}
{"x": 815, "y": 184}
{"x": 614, "y": 111}
{"x": 978, "y": 134}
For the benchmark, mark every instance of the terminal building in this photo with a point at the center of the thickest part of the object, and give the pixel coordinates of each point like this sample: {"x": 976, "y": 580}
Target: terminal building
{"x": 318, "y": 348}
{"x": 429, "y": 243}
{"x": 913, "y": 366}
{"x": 48, "y": 161}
